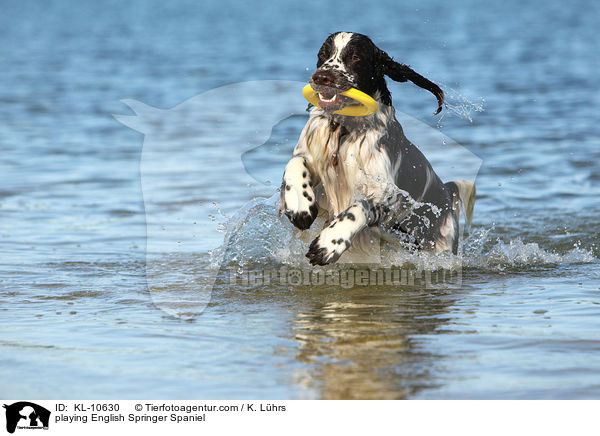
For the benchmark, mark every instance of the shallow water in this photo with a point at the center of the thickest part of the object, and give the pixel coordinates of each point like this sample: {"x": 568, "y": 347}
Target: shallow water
{"x": 83, "y": 199}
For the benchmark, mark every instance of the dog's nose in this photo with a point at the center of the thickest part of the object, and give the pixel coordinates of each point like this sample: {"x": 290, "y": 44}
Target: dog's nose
{"x": 322, "y": 78}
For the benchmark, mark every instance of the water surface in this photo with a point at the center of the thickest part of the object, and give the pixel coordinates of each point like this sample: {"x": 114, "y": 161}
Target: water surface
{"x": 78, "y": 319}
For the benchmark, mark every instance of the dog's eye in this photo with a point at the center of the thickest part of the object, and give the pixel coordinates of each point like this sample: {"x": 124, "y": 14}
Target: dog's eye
{"x": 355, "y": 58}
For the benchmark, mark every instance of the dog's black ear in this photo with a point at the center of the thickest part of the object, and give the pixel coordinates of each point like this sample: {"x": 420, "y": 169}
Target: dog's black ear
{"x": 402, "y": 73}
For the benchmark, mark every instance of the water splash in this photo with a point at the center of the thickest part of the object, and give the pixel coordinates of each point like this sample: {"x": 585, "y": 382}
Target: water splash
{"x": 458, "y": 104}
{"x": 480, "y": 251}
{"x": 258, "y": 237}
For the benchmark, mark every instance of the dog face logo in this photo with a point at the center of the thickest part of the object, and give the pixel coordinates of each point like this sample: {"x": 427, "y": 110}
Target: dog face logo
{"x": 25, "y": 415}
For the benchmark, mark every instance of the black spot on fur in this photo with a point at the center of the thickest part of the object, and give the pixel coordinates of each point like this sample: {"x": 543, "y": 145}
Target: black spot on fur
{"x": 318, "y": 255}
{"x": 304, "y": 174}
{"x": 351, "y": 216}
{"x": 302, "y": 220}
{"x": 304, "y": 185}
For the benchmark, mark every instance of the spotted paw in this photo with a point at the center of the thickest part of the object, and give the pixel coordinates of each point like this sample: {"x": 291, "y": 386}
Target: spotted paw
{"x": 299, "y": 202}
{"x": 323, "y": 252}
{"x": 336, "y": 237}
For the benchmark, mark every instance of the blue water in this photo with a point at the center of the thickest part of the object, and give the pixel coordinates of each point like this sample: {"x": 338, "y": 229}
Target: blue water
{"x": 83, "y": 196}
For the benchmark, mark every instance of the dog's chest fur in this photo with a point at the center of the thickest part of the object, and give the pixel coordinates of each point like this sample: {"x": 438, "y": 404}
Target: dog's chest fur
{"x": 348, "y": 160}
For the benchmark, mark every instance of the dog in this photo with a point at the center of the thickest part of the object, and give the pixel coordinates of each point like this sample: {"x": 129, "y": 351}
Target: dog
{"x": 363, "y": 171}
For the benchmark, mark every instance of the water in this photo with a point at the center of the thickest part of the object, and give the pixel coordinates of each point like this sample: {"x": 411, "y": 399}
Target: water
{"x": 78, "y": 310}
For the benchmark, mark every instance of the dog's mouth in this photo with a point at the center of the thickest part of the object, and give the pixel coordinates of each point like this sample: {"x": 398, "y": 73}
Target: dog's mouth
{"x": 331, "y": 98}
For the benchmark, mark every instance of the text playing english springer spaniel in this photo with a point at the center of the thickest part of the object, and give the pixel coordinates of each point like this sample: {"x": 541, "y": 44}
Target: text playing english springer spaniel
{"x": 362, "y": 171}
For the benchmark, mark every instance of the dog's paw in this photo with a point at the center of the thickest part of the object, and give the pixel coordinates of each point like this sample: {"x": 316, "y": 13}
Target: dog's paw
{"x": 323, "y": 251}
{"x": 299, "y": 202}
{"x": 336, "y": 237}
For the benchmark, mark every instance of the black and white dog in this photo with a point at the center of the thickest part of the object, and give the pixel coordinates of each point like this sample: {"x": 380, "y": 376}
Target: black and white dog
{"x": 363, "y": 171}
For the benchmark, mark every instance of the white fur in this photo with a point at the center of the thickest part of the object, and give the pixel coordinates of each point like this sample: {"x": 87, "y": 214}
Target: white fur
{"x": 363, "y": 169}
{"x": 340, "y": 41}
{"x": 447, "y": 232}
{"x": 350, "y": 171}
{"x": 295, "y": 186}
{"x": 466, "y": 197}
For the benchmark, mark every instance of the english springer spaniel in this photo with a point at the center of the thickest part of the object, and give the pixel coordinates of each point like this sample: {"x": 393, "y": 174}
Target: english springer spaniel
{"x": 362, "y": 171}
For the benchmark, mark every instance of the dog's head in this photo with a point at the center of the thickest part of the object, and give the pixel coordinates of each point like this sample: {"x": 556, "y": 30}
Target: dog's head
{"x": 351, "y": 60}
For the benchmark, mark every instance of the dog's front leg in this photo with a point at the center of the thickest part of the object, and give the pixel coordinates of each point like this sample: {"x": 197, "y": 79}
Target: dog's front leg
{"x": 298, "y": 200}
{"x": 338, "y": 235}
{"x": 336, "y": 238}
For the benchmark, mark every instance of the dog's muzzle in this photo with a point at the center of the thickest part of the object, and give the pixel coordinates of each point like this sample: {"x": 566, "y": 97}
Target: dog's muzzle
{"x": 329, "y": 84}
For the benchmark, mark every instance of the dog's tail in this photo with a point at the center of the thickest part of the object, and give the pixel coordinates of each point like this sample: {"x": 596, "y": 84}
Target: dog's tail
{"x": 463, "y": 194}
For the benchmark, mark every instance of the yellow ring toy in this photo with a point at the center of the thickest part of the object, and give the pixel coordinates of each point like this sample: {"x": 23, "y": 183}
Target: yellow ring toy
{"x": 367, "y": 104}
